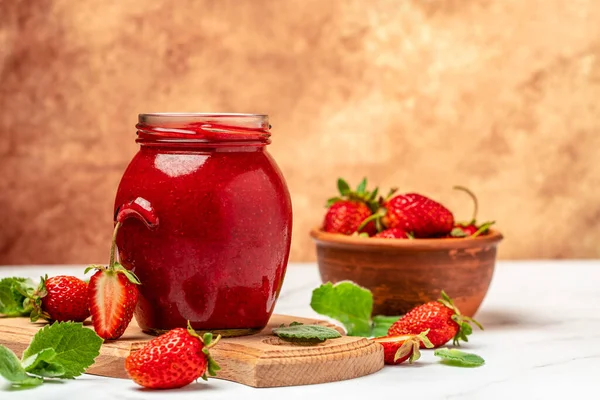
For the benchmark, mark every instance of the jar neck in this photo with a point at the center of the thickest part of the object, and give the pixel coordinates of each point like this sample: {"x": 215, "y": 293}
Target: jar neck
{"x": 224, "y": 132}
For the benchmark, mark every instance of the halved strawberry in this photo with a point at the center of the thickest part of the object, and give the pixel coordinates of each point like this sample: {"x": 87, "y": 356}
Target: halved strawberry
{"x": 112, "y": 296}
{"x": 397, "y": 349}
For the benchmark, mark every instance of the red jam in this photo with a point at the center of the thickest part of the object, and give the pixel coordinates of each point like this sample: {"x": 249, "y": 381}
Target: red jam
{"x": 217, "y": 253}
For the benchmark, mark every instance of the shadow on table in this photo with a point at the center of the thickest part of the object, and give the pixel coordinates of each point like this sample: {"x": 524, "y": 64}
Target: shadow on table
{"x": 193, "y": 387}
{"x": 497, "y": 319}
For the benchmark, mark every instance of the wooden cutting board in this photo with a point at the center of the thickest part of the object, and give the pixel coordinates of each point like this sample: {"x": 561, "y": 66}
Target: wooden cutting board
{"x": 261, "y": 360}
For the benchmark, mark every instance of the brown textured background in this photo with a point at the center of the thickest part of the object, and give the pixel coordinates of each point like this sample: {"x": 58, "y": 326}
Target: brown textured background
{"x": 501, "y": 96}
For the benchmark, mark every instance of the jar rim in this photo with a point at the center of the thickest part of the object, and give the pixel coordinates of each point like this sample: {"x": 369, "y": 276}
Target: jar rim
{"x": 202, "y": 127}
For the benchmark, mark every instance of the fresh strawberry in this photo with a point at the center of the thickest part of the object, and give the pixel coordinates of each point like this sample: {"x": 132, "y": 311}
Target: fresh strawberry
{"x": 471, "y": 228}
{"x": 397, "y": 349}
{"x": 60, "y": 298}
{"x": 112, "y": 296}
{"x": 394, "y": 233}
{"x": 345, "y": 216}
{"x": 441, "y": 317}
{"x": 418, "y": 214}
{"x": 172, "y": 360}
{"x": 347, "y": 211}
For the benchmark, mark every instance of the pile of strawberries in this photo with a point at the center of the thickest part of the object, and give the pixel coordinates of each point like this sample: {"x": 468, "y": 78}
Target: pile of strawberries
{"x": 430, "y": 325}
{"x": 396, "y": 216}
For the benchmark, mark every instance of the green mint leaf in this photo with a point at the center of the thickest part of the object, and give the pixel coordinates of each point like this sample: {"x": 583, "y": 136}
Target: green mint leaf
{"x": 295, "y": 323}
{"x": 48, "y": 370}
{"x": 12, "y": 371}
{"x": 76, "y": 347}
{"x": 458, "y": 358}
{"x": 306, "y": 333}
{"x": 13, "y": 296}
{"x": 31, "y": 362}
{"x": 381, "y": 325}
{"x": 346, "y": 302}
{"x": 343, "y": 187}
{"x": 41, "y": 364}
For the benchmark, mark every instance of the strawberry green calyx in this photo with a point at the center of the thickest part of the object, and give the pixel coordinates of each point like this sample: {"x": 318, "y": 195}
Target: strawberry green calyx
{"x": 360, "y": 194}
{"x": 483, "y": 229}
{"x": 207, "y": 339}
{"x": 113, "y": 266}
{"x": 412, "y": 345}
{"x": 464, "y": 322}
{"x": 35, "y": 300}
{"x": 458, "y": 233}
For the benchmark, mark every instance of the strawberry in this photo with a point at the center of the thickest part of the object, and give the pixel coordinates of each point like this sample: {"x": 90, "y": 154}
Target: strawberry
{"x": 397, "y": 349}
{"x": 394, "y": 233}
{"x": 60, "y": 298}
{"x": 471, "y": 228}
{"x": 112, "y": 296}
{"x": 345, "y": 216}
{"x": 172, "y": 360}
{"x": 441, "y": 317}
{"x": 417, "y": 214}
{"x": 347, "y": 211}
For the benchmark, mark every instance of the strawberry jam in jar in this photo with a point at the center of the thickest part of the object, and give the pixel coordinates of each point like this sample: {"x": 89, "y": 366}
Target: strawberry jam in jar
{"x": 206, "y": 222}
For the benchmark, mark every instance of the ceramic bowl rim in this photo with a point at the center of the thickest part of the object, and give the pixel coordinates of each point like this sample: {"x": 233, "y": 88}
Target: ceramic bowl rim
{"x": 338, "y": 240}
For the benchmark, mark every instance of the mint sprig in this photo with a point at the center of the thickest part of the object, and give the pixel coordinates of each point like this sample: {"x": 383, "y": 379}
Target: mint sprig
{"x": 61, "y": 350}
{"x": 14, "y": 300}
{"x": 298, "y": 332}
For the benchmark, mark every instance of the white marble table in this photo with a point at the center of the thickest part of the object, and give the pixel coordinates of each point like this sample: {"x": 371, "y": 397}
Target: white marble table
{"x": 542, "y": 341}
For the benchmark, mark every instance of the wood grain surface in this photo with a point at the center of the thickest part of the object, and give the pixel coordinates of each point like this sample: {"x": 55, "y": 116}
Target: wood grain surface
{"x": 260, "y": 360}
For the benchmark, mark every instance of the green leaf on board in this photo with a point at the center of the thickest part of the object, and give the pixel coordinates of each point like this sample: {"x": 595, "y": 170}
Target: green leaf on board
{"x": 306, "y": 333}
{"x": 346, "y": 302}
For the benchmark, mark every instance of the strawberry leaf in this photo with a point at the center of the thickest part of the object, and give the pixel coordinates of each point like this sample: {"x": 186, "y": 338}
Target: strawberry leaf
{"x": 332, "y": 201}
{"x": 343, "y": 187}
{"x": 458, "y": 358}
{"x": 362, "y": 186}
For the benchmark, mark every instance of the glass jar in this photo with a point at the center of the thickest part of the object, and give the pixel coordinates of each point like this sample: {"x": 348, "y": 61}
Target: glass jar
{"x": 211, "y": 235}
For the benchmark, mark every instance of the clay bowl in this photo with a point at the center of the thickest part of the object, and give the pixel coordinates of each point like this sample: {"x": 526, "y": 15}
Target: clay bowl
{"x": 405, "y": 273}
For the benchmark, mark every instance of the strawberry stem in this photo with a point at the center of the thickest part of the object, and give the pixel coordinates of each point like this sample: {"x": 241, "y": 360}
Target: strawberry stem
{"x": 475, "y": 202}
{"x": 111, "y": 262}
